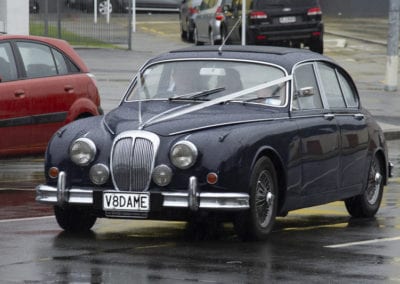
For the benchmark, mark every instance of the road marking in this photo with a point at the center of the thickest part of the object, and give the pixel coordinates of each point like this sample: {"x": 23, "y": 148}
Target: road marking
{"x": 26, "y": 219}
{"x": 364, "y": 242}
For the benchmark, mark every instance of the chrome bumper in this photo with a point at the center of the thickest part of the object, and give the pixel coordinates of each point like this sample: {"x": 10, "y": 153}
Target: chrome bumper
{"x": 192, "y": 199}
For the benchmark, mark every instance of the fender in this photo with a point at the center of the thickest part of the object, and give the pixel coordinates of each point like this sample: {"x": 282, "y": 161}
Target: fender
{"x": 80, "y": 106}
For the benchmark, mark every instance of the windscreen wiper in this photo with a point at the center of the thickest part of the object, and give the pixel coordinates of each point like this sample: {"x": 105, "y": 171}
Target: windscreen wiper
{"x": 197, "y": 95}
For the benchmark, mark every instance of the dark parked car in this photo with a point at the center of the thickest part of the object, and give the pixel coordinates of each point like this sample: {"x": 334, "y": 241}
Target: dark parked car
{"x": 209, "y": 23}
{"x": 44, "y": 85}
{"x": 241, "y": 134}
{"x": 278, "y": 22}
{"x": 187, "y": 14}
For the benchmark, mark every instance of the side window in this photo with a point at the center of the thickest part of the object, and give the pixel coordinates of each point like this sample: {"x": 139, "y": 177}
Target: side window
{"x": 61, "y": 65}
{"x": 37, "y": 59}
{"x": 306, "y": 92}
{"x": 349, "y": 92}
{"x": 8, "y": 70}
{"x": 331, "y": 86}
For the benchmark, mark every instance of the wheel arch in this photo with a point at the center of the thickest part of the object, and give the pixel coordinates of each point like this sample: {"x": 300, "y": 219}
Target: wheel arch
{"x": 379, "y": 153}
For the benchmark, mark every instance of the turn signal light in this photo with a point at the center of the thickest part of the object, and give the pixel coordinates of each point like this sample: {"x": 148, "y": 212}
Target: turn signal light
{"x": 212, "y": 178}
{"x": 53, "y": 172}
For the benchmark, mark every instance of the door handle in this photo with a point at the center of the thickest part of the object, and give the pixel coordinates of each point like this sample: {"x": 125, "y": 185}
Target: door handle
{"x": 329, "y": 116}
{"x": 19, "y": 93}
{"x": 69, "y": 88}
{"x": 359, "y": 116}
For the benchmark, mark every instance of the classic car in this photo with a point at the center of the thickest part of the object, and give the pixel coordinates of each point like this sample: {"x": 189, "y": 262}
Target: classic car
{"x": 44, "y": 84}
{"x": 242, "y": 134}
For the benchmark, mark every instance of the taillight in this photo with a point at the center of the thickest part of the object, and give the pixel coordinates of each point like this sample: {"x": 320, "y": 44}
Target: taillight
{"x": 257, "y": 15}
{"x": 314, "y": 11}
{"x": 193, "y": 11}
{"x": 219, "y": 15}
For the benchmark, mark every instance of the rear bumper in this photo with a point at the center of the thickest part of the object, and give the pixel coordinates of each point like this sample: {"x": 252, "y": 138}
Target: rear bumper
{"x": 272, "y": 33}
{"x": 191, "y": 198}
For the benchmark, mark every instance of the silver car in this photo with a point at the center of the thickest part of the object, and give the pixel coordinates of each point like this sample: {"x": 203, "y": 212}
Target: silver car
{"x": 210, "y": 22}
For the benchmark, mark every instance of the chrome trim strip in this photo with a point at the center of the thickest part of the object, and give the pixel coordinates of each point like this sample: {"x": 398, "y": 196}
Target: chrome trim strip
{"x": 49, "y": 194}
{"x": 228, "y": 123}
{"x": 208, "y": 200}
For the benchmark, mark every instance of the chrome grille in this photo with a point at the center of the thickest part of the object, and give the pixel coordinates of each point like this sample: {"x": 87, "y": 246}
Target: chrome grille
{"x": 132, "y": 160}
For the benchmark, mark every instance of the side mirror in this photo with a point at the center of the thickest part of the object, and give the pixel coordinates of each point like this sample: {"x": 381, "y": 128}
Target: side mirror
{"x": 306, "y": 92}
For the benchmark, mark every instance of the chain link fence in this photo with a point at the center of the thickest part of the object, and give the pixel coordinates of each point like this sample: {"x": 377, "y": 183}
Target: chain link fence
{"x": 98, "y": 23}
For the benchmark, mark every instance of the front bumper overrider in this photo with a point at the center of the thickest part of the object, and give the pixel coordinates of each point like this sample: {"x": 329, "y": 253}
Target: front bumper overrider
{"x": 192, "y": 198}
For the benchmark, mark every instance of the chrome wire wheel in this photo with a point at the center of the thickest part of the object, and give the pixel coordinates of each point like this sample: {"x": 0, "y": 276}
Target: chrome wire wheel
{"x": 257, "y": 222}
{"x": 366, "y": 204}
{"x": 374, "y": 184}
{"x": 264, "y": 199}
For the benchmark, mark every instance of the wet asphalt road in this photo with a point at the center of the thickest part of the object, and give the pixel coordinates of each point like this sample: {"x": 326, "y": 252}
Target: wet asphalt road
{"x": 308, "y": 246}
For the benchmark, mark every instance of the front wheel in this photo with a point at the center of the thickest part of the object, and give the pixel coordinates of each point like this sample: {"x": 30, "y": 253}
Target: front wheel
{"x": 74, "y": 219}
{"x": 258, "y": 221}
{"x": 367, "y": 204}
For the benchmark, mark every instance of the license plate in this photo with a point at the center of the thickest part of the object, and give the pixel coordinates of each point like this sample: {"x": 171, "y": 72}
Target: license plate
{"x": 126, "y": 201}
{"x": 287, "y": 20}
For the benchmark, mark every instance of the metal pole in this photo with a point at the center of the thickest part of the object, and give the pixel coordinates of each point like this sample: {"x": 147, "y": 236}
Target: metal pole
{"x": 58, "y": 19}
{"x": 133, "y": 16}
{"x": 108, "y": 11}
{"x": 95, "y": 11}
{"x": 46, "y": 17}
{"x": 243, "y": 22}
{"x": 130, "y": 20}
{"x": 393, "y": 47}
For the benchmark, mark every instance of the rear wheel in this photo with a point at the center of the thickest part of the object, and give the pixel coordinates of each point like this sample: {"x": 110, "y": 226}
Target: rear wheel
{"x": 367, "y": 204}
{"x": 74, "y": 219}
{"x": 317, "y": 45}
{"x": 257, "y": 223}
{"x": 103, "y": 8}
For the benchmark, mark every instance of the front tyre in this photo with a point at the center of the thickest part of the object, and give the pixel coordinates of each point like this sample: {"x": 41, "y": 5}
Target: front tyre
{"x": 74, "y": 219}
{"x": 257, "y": 223}
{"x": 367, "y": 204}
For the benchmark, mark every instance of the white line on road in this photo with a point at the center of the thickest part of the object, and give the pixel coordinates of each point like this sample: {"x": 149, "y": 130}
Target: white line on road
{"x": 364, "y": 242}
{"x": 26, "y": 219}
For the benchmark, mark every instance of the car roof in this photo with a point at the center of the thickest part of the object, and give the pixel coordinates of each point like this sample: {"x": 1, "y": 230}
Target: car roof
{"x": 58, "y": 43}
{"x": 284, "y": 57}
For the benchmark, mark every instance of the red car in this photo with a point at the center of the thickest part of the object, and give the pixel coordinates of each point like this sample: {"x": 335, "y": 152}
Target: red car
{"x": 44, "y": 84}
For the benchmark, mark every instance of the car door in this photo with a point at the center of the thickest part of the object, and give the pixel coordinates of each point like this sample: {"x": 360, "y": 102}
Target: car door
{"x": 50, "y": 87}
{"x": 204, "y": 17}
{"x": 15, "y": 105}
{"x": 343, "y": 101}
{"x": 319, "y": 137}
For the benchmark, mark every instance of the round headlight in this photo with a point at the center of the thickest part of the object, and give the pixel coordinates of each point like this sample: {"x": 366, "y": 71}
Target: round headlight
{"x": 162, "y": 175}
{"x": 99, "y": 174}
{"x": 82, "y": 151}
{"x": 183, "y": 154}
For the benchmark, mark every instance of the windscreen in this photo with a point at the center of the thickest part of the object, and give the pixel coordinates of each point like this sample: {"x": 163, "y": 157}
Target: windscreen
{"x": 208, "y": 80}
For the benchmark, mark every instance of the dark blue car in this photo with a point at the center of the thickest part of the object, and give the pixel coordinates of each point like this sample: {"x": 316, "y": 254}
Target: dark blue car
{"x": 237, "y": 134}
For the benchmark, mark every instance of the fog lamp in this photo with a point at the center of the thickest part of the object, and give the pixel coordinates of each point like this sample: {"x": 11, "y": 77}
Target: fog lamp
{"x": 99, "y": 174}
{"x": 162, "y": 175}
